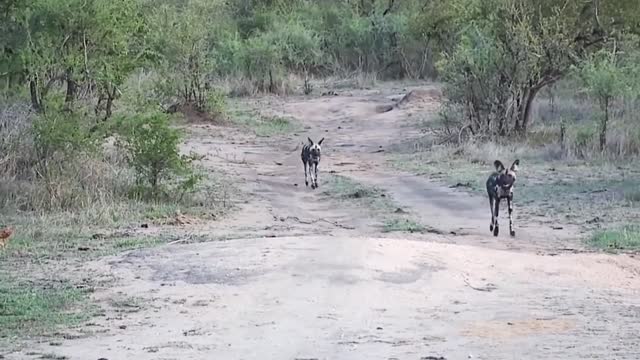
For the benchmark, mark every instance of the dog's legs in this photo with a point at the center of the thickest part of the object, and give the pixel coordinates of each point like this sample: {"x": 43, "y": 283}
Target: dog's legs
{"x": 496, "y": 212}
{"x": 492, "y": 213}
{"x": 316, "y": 174}
{"x": 510, "y": 204}
{"x": 311, "y": 175}
{"x": 306, "y": 182}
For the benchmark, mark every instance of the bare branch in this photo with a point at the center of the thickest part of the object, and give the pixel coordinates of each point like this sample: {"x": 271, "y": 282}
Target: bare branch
{"x": 389, "y": 7}
{"x": 50, "y": 83}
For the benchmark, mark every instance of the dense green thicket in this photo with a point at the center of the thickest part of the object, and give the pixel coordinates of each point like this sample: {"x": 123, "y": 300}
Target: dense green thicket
{"x": 495, "y": 55}
{"x": 91, "y": 46}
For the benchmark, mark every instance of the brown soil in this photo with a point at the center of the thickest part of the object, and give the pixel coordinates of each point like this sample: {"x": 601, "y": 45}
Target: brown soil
{"x": 310, "y": 277}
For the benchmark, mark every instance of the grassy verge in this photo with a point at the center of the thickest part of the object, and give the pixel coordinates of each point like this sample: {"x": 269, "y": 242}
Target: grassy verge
{"x": 261, "y": 125}
{"x": 38, "y": 309}
{"x": 347, "y": 189}
{"x": 397, "y": 224}
{"x": 623, "y": 238}
{"x": 375, "y": 200}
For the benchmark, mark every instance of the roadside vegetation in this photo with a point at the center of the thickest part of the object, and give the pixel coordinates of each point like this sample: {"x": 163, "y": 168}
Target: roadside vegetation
{"x": 95, "y": 95}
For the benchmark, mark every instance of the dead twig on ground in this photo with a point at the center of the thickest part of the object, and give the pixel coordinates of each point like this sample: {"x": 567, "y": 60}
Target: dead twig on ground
{"x": 187, "y": 238}
{"x": 487, "y": 288}
{"x": 178, "y": 241}
{"x": 310, "y": 222}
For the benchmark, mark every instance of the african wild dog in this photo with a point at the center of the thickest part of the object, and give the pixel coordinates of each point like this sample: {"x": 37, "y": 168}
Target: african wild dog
{"x": 500, "y": 186}
{"x": 311, "y": 158}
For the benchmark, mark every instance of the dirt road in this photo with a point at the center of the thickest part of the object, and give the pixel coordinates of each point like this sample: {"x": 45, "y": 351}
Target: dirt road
{"x": 308, "y": 277}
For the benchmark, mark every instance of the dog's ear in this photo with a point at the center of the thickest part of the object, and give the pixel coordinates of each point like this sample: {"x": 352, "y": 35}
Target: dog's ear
{"x": 498, "y": 165}
{"x": 320, "y": 142}
{"x": 310, "y": 141}
{"x": 515, "y": 165}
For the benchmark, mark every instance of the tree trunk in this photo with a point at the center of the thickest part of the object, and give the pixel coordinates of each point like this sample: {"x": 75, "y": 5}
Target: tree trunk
{"x": 307, "y": 84}
{"x": 552, "y": 96}
{"x": 563, "y": 131}
{"x": 35, "y": 99}
{"x": 271, "y": 84}
{"x": 605, "y": 121}
{"x": 525, "y": 114}
{"x": 71, "y": 91}
{"x": 108, "y": 108}
{"x": 502, "y": 131}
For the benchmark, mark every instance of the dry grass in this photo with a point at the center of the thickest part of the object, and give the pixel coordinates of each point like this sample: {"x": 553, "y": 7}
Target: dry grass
{"x": 581, "y": 117}
{"x": 241, "y": 86}
{"x": 293, "y": 84}
{"x": 353, "y": 80}
{"x": 32, "y": 184}
{"x": 80, "y": 209}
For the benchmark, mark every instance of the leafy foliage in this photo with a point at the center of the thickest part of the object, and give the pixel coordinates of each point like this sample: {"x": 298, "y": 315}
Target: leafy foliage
{"x": 60, "y": 136}
{"x": 508, "y": 50}
{"x": 604, "y": 78}
{"x": 86, "y": 45}
{"x": 152, "y": 147}
{"x": 183, "y": 39}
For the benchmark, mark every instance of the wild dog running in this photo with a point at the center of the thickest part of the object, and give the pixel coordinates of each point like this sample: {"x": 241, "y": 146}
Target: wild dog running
{"x": 500, "y": 186}
{"x": 310, "y": 159}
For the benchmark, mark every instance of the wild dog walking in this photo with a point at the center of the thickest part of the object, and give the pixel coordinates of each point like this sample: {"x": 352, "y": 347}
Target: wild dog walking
{"x": 310, "y": 159}
{"x": 500, "y": 186}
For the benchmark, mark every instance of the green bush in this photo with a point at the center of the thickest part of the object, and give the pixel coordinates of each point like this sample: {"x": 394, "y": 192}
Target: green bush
{"x": 605, "y": 79}
{"x": 60, "y": 135}
{"x": 263, "y": 61}
{"x": 624, "y": 238}
{"x": 61, "y": 143}
{"x": 584, "y": 140}
{"x": 152, "y": 146}
{"x": 184, "y": 37}
{"x": 216, "y": 104}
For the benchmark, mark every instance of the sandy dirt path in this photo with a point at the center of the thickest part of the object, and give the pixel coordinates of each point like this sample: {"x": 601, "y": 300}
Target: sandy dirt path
{"x": 311, "y": 278}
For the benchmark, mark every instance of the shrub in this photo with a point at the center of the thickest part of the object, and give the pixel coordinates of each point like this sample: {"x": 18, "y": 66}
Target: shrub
{"x": 59, "y": 141}
{"x": 624, "y": 238}
{"x": 605, "y": 79}
{"x": 52, "y": 161}
{"x": 59, "y": 136}
{"x": 216, "y": 104}
{"x": 184, "y": 37}
{"x": 262, "y": 57}
{"x": 152, "y": 146}
{"x": 583, "y": 140}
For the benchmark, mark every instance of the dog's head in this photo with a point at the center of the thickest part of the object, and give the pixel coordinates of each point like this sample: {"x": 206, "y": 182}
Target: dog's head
{"x": 314, "y": 148}
{"x": 506, "y": 177}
